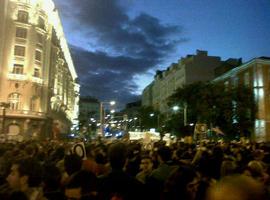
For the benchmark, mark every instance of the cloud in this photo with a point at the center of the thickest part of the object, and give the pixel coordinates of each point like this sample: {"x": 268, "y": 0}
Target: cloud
{"x": 121, "y": 47}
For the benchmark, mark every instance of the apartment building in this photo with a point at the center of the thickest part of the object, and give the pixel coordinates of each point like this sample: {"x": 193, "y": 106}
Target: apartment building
{"x": 192, "y": 68}
{"x": 255, "y": 74}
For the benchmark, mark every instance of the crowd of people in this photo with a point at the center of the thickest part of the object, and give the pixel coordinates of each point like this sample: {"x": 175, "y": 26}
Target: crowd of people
{"x": 125, "y": 170}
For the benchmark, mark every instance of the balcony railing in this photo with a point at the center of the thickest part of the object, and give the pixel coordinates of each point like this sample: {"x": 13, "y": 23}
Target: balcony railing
{"x": 37, "y": 80}
{"x": 25, "y": 113}
{"x": 21, "y": 77}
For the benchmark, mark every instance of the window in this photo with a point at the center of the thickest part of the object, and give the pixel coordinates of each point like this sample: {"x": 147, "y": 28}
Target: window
{"x": 19, "y": 51}
{"x": 23, "y": 16}
{"x": 246, "y": 79}
{"x": 35, "y": 103}
{"x": 36, "y": 72}
{"x": 21, "y": 32}
{"x": 41, "y": 23}
{"x": 38, "y": 56}
{"x": 17, "y": 69}
{"x": 226, "y": 85}
{"x": 235, "y": 81}
{"x": 39, "y": 38}
{"x": 14, "y": 101}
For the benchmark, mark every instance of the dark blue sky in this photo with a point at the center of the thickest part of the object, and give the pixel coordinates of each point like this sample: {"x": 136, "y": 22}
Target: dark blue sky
{"x": 117, "y": 45}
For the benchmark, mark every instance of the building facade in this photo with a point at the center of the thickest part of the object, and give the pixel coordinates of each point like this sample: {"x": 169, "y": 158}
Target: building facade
{"x": 38, "y": 80}
{"x": 255, "y": 74}
{"x": 192, "y": 68}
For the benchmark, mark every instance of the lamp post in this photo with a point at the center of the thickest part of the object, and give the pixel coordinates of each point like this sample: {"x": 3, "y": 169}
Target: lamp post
{"x": 176, "y": 108}
{"x": 152, "y": 115}
{"x": 101, "y": 110}
{"x": 4, "y": 105}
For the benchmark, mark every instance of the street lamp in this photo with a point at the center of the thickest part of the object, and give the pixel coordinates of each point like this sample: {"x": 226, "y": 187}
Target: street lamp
{"x": 176, "y": 108}
{"x": 4, "y": 105}
{"x": 111, "y": 103}
{"x": 152, "y": 115}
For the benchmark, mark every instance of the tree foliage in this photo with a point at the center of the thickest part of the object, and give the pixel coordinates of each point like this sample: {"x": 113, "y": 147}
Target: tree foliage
{"x": 232, "y": 109}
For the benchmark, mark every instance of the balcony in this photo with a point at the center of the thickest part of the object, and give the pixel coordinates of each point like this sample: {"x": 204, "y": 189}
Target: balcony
{"x": 25, "y": 113}
{"x": 21, "y": 40}
{"x": 37, "y": 80}
{"x": 17, "y": 77}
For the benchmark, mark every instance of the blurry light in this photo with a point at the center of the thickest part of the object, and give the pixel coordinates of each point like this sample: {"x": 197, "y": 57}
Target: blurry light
{"x": 112, "y": 103}
{"x": 175, "y": 108}
{"x": 192, "y": 124}
{"x": 152, "y": 130}
{"x": 112, "y": 111}
{"x": 152, "y": 115}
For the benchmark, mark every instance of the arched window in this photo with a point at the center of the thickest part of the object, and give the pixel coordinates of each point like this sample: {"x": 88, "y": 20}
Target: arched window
{"x": 14, "y": 100}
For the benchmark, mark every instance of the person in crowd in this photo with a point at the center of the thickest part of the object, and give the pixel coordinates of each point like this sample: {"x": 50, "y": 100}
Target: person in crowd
{"x": 182, "y": 184}
{"x": 237, "y": 187}
{"x": 118, "y": 184}
{"x": 82, "y": 186}
{"x": 156, "y": 180}
{"x": 90, "y": 164}
{"x": 72, "y": 164}
{"x": 228, "y": 167}
{"x": 134, "y": 159}
{"x": 146, "y": 169}
{"x": 25, "y": 176}
{"x": 52, "y": 182}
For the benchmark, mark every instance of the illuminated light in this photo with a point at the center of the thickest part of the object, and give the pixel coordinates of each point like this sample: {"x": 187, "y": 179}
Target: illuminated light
{"x": 152, "y": 115}
{"x": 112, "y": 111}
{"x": 25, "y": 112}
{"x": 112, "y": 103}
{"x": 176, "y": 108}
{"x": 261, "y": 92}
{"x": 152, "y": 130}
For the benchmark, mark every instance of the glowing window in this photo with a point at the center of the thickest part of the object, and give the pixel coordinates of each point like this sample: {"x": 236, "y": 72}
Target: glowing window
{"x": 23, "y": 16}
{"x": 21, "y": 32}
{"x": 19, "y": 51}
{"x": 17, "y": 69}
{"x": 14, "y": 100}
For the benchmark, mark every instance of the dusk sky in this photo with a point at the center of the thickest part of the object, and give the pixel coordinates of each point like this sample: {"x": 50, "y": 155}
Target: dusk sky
{"x": 117, "y": 45}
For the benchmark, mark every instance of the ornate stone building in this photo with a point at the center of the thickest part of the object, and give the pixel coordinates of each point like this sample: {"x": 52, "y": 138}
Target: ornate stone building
{"x": 39, "y": 92}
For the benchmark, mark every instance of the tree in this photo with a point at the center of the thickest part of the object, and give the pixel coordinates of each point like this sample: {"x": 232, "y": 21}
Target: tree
{"x": 233, "y": 110}
{"x": 147, "y": 121}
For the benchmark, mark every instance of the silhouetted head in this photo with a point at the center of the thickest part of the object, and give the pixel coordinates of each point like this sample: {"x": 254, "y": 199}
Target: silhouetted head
{"x": 118, "y": 155}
